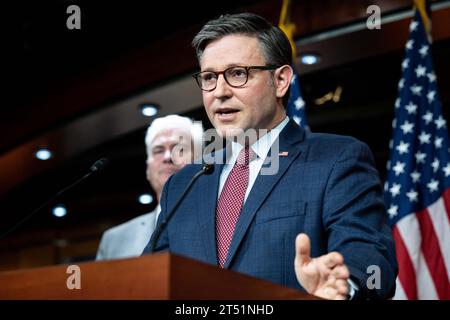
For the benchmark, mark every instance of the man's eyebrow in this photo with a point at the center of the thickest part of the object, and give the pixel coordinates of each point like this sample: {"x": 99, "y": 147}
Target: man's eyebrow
{"x": 230, "y": 65}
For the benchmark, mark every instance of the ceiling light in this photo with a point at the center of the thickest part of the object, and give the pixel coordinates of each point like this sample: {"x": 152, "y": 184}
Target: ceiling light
{"x": 309, "y": 58}
{"x": 145, "y": 198}
{"x": 59, "y": 211}
{"x": 43, "y": 154}
{"x": 148, "y": 109}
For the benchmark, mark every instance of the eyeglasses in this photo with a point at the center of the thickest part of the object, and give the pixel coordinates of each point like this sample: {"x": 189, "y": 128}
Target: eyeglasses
{"x": 235, "y": 76}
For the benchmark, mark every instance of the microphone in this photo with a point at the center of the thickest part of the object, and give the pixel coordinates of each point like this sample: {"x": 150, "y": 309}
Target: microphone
{"x": 98, "y": 166}
{"x": 207, "y": 169}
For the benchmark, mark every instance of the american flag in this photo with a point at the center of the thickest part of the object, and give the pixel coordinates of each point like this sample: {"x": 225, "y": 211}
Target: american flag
{"x": 296, "y": 105}
{"x": 417, "y": 192}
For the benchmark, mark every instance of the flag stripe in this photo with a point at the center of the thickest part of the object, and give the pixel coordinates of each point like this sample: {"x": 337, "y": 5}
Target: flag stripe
{"x": 409, "y": 230}
{"x": 407, "y": 271}
{"x": 425, "y": 284}
{"x": 438, "y": 214}
{"x": 432, "y": 254}
{"x": 399, "y": 292}
{"x": 446, "y": 198}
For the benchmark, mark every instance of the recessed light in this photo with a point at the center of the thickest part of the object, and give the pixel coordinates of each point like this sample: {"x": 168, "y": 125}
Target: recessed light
{"x": 59, "y": 211}
{"x": 309, "y": 58}
{"x": 145, "y": 198}
{"x": 148, "y": 109}
{"x": 43, "y": 154}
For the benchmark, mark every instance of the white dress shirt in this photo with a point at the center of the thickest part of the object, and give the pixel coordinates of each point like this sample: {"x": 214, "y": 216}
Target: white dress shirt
{"x": 261, "y": 148}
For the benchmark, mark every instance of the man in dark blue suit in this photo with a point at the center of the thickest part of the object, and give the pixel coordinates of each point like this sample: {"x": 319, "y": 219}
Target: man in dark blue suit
{"x": 323, "y": 199}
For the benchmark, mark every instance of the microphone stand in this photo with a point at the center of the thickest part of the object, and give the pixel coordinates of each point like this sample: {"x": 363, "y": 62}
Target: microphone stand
{"x": 207, "y": 169}
{"x": 96, "y": 167}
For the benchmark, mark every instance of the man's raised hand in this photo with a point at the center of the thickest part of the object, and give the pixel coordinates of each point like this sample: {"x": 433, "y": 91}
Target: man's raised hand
{"x": 325, "y": 276}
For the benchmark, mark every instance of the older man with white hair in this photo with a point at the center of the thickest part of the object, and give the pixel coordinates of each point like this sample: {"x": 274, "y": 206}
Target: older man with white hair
{"x": 163, "y": 135}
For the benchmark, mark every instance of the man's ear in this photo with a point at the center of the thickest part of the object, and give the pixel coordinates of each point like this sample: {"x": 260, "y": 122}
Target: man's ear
{"x": 282, "y": 79}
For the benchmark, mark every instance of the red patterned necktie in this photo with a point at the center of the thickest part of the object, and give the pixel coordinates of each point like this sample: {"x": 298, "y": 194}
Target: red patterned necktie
{"x": 230, "y": 203}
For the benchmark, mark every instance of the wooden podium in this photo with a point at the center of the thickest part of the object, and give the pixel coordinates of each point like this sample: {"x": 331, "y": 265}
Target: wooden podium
{"x": 159, "y": 276}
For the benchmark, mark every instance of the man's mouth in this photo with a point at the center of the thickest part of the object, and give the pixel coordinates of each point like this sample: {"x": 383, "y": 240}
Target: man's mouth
{"x": 225, "y": 115}
{"x": 167, "y": 172}
{"x": 226, "y": 111}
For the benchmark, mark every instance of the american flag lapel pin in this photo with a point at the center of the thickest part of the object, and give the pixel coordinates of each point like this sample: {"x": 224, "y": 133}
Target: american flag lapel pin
{"x": 283, "y": 154}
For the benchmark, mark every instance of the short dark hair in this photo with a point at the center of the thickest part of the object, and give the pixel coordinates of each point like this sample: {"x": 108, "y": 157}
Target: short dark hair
{"x": 274, "y": 44}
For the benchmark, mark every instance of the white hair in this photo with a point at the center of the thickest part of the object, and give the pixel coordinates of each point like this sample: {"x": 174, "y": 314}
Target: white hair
{"x": 173, "y": 121}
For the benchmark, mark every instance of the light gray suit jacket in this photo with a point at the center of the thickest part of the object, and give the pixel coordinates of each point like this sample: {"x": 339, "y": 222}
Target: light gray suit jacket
{"x": 128, "y": 239}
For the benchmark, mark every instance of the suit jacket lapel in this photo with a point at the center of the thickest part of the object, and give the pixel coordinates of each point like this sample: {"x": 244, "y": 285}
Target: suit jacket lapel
{"x": 289, "y": 136}
{"x": 206, "y": 213}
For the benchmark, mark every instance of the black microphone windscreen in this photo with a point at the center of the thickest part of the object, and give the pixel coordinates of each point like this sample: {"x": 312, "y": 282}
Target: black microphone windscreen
{"x": 208, "y": 168}
{"x": 99, "y": 165}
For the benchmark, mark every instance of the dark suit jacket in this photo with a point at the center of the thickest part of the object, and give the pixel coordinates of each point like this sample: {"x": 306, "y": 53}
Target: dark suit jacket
{"x": 326, "y": 187}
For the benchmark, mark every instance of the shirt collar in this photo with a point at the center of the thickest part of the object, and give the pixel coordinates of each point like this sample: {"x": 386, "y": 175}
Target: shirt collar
{"x": 262, "y": 146}
{"x": 157, "y": 211}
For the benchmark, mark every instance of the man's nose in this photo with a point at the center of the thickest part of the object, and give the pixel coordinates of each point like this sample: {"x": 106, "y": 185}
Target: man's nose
{"x": 167, "y": 157}
{"x": 223, "y": 89}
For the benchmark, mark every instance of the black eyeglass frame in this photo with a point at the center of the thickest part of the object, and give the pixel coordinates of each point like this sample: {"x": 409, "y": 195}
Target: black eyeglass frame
{"x": 218, "y": 73}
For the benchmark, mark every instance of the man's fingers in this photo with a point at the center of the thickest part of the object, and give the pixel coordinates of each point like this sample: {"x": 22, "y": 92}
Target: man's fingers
{"x": 327, "y": 263}
{"x": 302, "y": 249}
{"x": 334, "y": 289}
{"x": 329, "y": 293}
{"x": 333, "y": 259}
{"x": 341, "y": 272}
{"x": 331, "y": 281}
{"x": 330, "y": 273}
{"x": 342, "y": 287}
{"x": 340, "y": 297}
